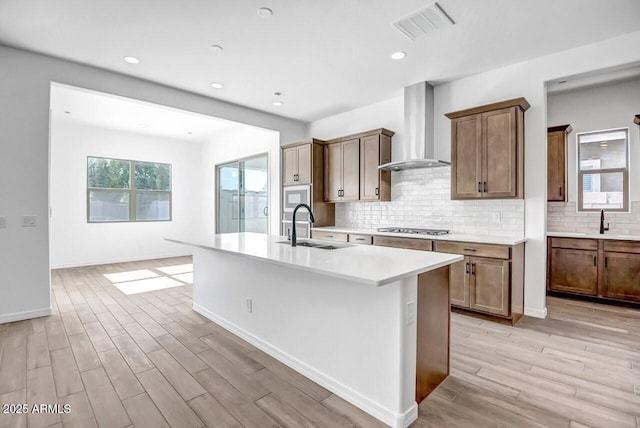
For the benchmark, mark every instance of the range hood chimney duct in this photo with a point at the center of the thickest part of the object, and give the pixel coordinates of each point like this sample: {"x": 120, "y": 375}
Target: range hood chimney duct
{"x": 418, "y": 147}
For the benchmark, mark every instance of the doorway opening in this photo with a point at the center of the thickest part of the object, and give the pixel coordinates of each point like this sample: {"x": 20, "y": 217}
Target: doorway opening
{"x": 242, "y": 195}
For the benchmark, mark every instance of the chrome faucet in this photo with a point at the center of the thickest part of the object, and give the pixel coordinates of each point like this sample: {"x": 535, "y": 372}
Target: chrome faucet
{"x": 293, "y": 221}
{"x": 602, "y": 228}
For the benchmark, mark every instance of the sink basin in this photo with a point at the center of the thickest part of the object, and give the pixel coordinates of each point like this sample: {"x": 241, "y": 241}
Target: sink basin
{"x": 319, "y": 245}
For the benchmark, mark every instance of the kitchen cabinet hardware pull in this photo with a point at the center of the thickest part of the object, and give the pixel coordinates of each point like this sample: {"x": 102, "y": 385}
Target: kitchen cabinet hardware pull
{"x": 605, "y": 261}
{"x": 466, "y": 268}
{"x": 484, "y": 187}
{"x": 560, "y": 190}
{"x": 377, "y": 192}
{"x": 479, "y": 186}
{"x": 594, "y": 261}
{"x": 329, "y": 236}
{"x": 473, "y": 268}
{"x": 469, "y": 249}
{"x": 360, "y": 239}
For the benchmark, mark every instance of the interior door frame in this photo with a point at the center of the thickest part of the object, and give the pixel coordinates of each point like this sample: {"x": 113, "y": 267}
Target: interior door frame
{"x": 238, "y": 161}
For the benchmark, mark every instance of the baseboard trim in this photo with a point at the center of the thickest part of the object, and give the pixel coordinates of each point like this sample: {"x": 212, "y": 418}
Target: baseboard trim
{"x": 123, "y": 260}
{"x": 396, "y": 420}
{"x": 536, "y": 313}
{"x": 26, "y": 315}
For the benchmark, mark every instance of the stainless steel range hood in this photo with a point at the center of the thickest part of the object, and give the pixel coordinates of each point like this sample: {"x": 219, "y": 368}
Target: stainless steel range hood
{"x": 418, "y": 147}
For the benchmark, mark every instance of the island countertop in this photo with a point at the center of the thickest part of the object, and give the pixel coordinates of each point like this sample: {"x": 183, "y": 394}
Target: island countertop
{"x": 367, "y": 264}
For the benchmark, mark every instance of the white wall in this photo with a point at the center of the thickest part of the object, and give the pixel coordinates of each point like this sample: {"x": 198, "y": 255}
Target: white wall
{"x": 387, "y": 114}
{"x": 526, "y": 79}
{"x": 25, "y": 80}
{"x": 74, "y": 242}
{"x": 232, "y": 146}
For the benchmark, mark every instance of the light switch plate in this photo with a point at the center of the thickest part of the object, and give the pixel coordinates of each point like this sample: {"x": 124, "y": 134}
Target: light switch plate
{"x": 28, "y": 221}
{"x": 411, "y": 312}
{"x": 3, "y": 222}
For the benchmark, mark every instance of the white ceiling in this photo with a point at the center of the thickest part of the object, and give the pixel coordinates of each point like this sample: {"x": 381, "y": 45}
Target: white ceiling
{"x": 324, "y": 56}
{"x": 79, "y": 106}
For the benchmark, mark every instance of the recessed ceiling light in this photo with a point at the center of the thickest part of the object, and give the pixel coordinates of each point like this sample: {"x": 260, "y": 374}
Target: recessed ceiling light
{"x": 278, "y": 103}
{"x": 217, "y": 48}
{"x": 132, "y": 60}
{"x": 277, "y": 94}
{"x": 189, "y": 132}
{"x": 265, "y": 12}
{"x": 217, "y": 85}
{"x": 398, "y": 55}
{"x": 604, "y": 145}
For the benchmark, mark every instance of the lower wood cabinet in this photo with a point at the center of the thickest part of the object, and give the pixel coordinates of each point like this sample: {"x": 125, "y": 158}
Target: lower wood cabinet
{"x": 594, "y": 267}
{"x": 574, "y": 271}
{"x": 621, "y": 279}
{"x": 490, "y": 286}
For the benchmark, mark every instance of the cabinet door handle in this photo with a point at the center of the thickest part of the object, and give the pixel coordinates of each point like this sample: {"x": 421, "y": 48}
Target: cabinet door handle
{"x": 560, "y": 190}
{"x": 484, "y": 187}
{"x": 377, "y": 191}
{"x": 479, "y": 186}
{"x": 360, "y": 239}
{"x": 469, "y": 249}
{"x": 595, "y": 263}
{"x": 466, "y": 268}
{"x": 473, "y": 268}
{"x": 606, "y": 262}
{"x": 328, "y": 236}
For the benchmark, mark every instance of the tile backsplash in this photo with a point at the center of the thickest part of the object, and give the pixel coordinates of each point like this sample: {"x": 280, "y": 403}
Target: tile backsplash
{"x": 421, "y": 198}
{"x": 563, "y": 217}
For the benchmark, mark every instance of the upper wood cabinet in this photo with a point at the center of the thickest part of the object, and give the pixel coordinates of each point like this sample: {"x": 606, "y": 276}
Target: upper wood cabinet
{"x": 375, "y": 185}
{"x": 341, "y": 171}
{"x": 297, "y": 164}
{"x": 351, "y": 167}
{"x": 487, "y": 151}
{"x": 557, "y": 163}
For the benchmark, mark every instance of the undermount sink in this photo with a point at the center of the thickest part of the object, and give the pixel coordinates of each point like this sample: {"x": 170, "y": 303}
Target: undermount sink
{"x": 319, "y": 245}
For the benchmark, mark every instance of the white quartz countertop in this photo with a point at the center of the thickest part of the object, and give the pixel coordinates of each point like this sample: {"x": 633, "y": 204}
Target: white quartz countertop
{"x": 594, "y": 236}
{"x": 462, "y": 237}
{"x": 368, "y": 264}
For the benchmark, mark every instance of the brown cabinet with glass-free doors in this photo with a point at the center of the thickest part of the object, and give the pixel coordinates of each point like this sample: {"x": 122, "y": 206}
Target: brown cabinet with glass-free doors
{"x": 487, "y": 151}
{"x": 557, "y": 163}
{"x": 351, "y": 167}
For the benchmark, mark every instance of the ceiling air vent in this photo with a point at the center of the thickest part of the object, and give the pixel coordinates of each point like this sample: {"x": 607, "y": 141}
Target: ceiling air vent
{"x": 424, "y": 22}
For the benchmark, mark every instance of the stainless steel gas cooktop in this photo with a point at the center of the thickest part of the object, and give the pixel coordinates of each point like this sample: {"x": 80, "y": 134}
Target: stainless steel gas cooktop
{"x": 414, "y": 231}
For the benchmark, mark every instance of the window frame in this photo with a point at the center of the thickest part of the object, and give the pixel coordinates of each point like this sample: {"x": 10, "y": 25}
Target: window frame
{"x": 601, "y": 171}
{"x": 131, "y": 190}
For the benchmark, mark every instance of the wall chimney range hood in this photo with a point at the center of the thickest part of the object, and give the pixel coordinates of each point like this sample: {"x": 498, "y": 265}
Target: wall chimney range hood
{"x": 418, "y": 146}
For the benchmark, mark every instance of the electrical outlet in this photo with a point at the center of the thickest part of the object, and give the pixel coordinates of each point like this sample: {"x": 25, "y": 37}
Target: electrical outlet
{"x": 496, "y": 217}
{"x": 28, "y": 221}
{"x": 3, "y": 222}
{"x": 249, "y": 305}
{"x": 411, "y": 312}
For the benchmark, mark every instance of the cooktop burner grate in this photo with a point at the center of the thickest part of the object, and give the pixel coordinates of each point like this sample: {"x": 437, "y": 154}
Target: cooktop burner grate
{"x": 413, "y": 231}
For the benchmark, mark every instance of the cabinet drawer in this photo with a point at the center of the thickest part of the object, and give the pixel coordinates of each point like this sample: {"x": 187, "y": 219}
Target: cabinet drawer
{"x": 329, "y": 236}
{"x": 410, "y": 243}
{"x": 622, "y": 246}
{"x": 575, "y": 243}
{"x": 361, "y": 239}
{"x": 472, "y": 249}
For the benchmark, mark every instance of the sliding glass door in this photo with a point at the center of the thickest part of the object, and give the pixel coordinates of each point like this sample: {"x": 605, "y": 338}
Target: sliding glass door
{"x": 242, "y": 195}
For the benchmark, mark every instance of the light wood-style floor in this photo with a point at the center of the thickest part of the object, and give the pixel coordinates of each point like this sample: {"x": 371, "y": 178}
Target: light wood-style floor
{"x": 148, "y": 360}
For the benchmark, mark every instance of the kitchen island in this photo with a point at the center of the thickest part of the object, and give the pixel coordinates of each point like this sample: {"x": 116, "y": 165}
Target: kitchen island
{"x": 370, "y": 324}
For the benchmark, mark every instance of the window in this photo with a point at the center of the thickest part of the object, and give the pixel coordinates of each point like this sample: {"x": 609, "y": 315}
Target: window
{"x": 114, "y": 194}
{"x": 603, "y": 170}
